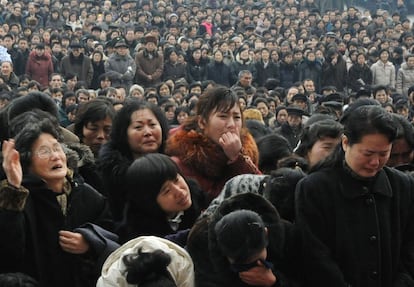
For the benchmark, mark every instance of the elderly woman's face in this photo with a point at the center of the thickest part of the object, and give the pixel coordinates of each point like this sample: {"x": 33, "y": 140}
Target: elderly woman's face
{"x": 48, "y": 159}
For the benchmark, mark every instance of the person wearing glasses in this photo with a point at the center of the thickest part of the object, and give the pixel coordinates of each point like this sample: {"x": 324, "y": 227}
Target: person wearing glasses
{"x": 52, "y": 224}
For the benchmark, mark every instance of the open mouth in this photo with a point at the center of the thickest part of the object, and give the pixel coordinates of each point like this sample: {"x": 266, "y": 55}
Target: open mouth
{"x": 58, "y": 166}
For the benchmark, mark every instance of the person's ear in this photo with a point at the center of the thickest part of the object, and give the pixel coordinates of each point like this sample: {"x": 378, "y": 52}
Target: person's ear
{"x": 266, "y": 231}
{"x": 345, "y": 142}
{"x": 201, "y": 122}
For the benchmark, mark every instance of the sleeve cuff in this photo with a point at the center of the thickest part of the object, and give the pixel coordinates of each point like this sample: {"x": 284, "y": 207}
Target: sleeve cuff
{"x": 12, "y": 198}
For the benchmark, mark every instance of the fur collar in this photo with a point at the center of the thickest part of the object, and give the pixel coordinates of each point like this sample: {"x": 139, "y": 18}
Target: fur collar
{"x": 201, "y": 154}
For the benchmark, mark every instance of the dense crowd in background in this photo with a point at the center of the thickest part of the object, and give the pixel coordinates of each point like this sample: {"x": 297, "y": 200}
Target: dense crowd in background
{"x": 206, "y": 143}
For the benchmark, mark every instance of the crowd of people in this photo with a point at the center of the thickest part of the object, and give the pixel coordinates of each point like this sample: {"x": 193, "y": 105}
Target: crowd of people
{"x": 206, "y": 143}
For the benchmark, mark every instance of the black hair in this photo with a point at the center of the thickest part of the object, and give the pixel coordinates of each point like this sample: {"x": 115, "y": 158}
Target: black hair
{"x": 364, "y": 120}
{"x": 241, "y": 234}
{"x": 148, "y": 269}
{"x": 272, "y": 148}
{"x": 122, "y": 120}
{"x": 261, "y": 100}
{"x": 218, "y": 98}
{"x": 25, "y": 139}
{"x": 17, "y": 280}
{"x": 405, "y": 129}
{"x": 92, "y": 111}
{"x": 316, "y": 131}
{"x": 33, "y": 100}
{"x": 257, "y": 128}
{"x": 67, "y": 94}
{"x": 280, "y": 190}
{"x": 379, "y": 88}
{"x": 146, "y": 175}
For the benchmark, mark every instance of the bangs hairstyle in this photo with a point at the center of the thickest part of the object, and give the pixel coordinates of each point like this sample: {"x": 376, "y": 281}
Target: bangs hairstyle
{"x": 149, "y": 172}
{"x": 93, "y": 111}
{"x": 367, "y": 120}
{"x": 220, "y": 99}
{"x": 319, "y": 130}
{"x": 241, "y": 234}
{"x": 122, "y": 121}
{"x": 25, "y": 139}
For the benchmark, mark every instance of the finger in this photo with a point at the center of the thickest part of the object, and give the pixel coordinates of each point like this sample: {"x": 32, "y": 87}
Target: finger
{"x": 66, "y": 233}
{"x": 65, "y": 240}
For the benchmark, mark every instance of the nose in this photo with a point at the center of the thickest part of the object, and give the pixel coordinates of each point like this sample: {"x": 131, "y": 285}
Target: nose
{"x": 375, "y": 161}
{"x": 101, "y": 134}
{"x": 231, "y": 123}
{"x": 147, "y": 131}
{"x": 179, "y": 192}
{"x": 54, "y": 154}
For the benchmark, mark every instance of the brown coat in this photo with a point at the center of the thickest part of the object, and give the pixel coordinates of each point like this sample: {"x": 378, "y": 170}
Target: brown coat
{"x": 201, "y": 159}
{"x": 149, "y": 66}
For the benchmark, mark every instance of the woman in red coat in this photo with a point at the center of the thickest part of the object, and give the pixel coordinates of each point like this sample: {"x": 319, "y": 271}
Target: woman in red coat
{"x": 39, "y": 65}
{"x": 214, "y": 146}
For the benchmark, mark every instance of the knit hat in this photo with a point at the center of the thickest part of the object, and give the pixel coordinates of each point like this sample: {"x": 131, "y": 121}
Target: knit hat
{"x": 136, "y": 87}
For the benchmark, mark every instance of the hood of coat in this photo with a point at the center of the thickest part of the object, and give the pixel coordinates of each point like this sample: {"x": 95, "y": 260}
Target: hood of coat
{"x": 200, "y": 153}
{"x": 78, "y": 155}
{"x": 109, "y": 157}
{"x": 181, "y": 267}
{"x": 247, "y": 201}
{"x": 405, "y": 67}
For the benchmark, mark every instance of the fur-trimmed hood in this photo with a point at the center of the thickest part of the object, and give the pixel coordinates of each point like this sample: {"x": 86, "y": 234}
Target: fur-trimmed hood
{"x": 181, "y": 267}
{"x": 78, "y": 155}
{"x": 109, "y": 157}
{"x": 201, "y": 154}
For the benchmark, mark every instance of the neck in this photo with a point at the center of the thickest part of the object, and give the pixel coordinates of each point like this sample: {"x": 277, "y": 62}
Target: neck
{"x": 56, "y": 185}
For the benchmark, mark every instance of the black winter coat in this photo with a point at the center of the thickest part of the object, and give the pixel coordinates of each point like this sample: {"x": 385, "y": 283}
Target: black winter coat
{"x": 174, "y": 71}
{"x": 292, "y": 135}
{"x": 288, "y": 75}
{"x": 310, "y": 70}
{"x": 219, "y": 73}
{"x": 335, "y": 75}
{"x": 284, "y": 250}
{"x": 29, "y": 241}
{"x": 113, "y": 166}
{"x": 263, "y": 73}
{"x": 238, "y": 65}
{"x": 196, "y": 71}
{"x": 147, "y": 218}
{"x": 358, "y": 75}
{"x": 357, "y": 232}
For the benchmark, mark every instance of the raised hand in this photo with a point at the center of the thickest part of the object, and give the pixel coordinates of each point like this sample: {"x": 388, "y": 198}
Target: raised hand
{"x": 11, "y": 163}
{"x": 231, "y": 144}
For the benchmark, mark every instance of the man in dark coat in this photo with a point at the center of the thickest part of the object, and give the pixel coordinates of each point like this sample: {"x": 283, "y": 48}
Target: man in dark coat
{"x": 77, "y": 63}
{"x": 334, "y": 71}
{"x": 15, "y": 54}
{"x": 265, "y": 68}
{"x": 292, "y": 129}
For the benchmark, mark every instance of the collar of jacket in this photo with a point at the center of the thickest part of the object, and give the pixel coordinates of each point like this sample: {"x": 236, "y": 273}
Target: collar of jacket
{"x": 353, "y": 187}
{"x": 204, "y": 156}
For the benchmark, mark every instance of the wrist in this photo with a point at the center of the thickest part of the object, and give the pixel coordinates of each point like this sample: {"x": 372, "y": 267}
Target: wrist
{"x": 236, "y": 157}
